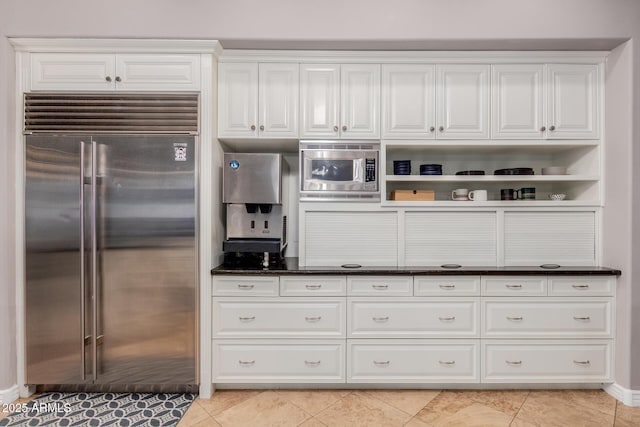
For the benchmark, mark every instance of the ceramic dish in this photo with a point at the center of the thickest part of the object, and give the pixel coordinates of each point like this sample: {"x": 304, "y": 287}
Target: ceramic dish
{"x": 557, "y": 196}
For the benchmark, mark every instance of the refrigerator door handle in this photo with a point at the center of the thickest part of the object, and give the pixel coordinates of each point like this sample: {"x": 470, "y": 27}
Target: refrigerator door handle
{"x": 83, "y": 291}
{"x": 94, "y": 263}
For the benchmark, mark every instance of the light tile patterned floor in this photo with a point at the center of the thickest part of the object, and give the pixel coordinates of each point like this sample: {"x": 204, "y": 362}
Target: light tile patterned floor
{"x": 414, "y": 408}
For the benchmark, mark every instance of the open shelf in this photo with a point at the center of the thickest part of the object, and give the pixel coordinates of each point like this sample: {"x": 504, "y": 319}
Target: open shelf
{"x": 490, "y": 178}
{"x": 487, "y": 204}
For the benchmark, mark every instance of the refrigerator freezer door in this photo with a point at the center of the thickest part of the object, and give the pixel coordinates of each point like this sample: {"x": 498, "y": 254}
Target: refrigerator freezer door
{"x": 54, "y": 335}
{"x": 146, "y": 228}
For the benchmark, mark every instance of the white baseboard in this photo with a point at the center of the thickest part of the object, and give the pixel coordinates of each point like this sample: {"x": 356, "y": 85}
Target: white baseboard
{"x": 9, "y": 395}
{"x": 624, "y": 395}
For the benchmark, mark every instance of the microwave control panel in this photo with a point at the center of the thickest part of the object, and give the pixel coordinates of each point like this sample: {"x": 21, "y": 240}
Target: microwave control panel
{"x": 370, "y": 170}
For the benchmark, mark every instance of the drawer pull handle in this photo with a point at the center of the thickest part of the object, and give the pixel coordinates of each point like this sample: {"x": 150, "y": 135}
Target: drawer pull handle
{"x": 247, "y": 319}
{"x": 447, "y": 362}
{"x": 515, "y": 318}
{"x": 447, "y": 286}
{"x": 514, "y": 286}
{"x": 381, "y": 319}
{"x": 447, "y": 319}
{"x": 247, "y": 363}
{"x": 581, "y": 318}
{"x": 583, "y": 363}
{"x": 311, "y": 363}
{"x": 514, "y": 363}
{"x": 313, "y": 287}
{"x": 385, "y": 363}
{"x": 245, "y": 287}
{"x": 313, "y": 319}
{"x": 380, "y": 287}
{"x": 580, "y": 286}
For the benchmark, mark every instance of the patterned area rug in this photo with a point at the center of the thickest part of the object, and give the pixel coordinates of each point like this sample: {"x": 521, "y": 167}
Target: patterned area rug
{"x": 101, "y": 409}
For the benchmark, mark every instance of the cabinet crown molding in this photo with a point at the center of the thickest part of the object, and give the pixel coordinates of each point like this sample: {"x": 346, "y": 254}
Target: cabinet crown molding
{"x": 418, "y": 57}
{"x": 66, "y": 45}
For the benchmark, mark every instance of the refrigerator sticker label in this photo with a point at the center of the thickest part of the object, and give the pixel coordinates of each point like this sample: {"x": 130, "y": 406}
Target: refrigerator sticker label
{"x": 180, "y": 152}
{"x": 234, "y": 164}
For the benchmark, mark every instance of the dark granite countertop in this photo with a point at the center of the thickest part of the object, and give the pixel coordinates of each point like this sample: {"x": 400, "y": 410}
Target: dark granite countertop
{"x": 291, "y": 266}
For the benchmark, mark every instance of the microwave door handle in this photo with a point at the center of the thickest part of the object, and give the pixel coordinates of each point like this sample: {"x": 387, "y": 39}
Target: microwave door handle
{"x": 358, "y": 170}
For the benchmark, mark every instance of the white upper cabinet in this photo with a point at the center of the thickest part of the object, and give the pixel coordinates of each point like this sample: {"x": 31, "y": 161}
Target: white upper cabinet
{"x": 572, "y": 101}
{"x": 257, "y": 100}
{"x": 462, "y": 107}
{"x": 109, "y": 71}
{"x": 517, "y": 101}
{"x": 408, "y": 101}
{"x": 340, "y": 101}
{"x": 554, "y": 101}
{"x": 319, "y": 100}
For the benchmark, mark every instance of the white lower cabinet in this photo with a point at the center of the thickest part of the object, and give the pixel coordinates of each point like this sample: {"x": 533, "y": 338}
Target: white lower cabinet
{"x": 413, "y": 361}
{"x": 536, "y": 361}
{"x": 403, "y": 329}
{"x": 278, "y": 361}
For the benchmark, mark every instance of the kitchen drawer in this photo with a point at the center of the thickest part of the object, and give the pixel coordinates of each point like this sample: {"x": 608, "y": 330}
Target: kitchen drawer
{"x": 380, "y": 285}
{"x": 275, "y": 318}
{"x": 231, "y": 286}
{"x": 513, "y": 286}
{"x": 547, "y": 318}
{"x": 582, "y": 286}
{"x": 278, "y": 361}
{"x": 413, "y": 361}
{"x": 547, "y": 361}
{"x": 413, "y": 317}
{"x": 312, "y": 285}
{"x": 446, "y": 285}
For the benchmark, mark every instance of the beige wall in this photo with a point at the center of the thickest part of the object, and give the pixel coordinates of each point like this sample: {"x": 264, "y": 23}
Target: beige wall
{"x": 435, "y": 24}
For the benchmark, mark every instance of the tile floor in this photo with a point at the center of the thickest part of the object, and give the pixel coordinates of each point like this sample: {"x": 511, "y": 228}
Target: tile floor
{"x": 412, "y": 408}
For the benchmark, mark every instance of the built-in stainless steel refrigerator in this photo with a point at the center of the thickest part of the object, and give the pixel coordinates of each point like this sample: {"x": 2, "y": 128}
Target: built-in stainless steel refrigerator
{"x": 111, "y": 260}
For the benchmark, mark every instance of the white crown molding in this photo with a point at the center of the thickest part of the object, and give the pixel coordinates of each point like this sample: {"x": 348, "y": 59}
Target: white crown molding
{"x": 116, "y": 45}
{"x": 421, "y": 57}
{"x": 9, "y": 395}
{"x": 624, "y": 395}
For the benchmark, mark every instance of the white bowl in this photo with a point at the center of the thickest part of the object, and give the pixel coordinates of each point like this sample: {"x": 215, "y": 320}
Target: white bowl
{"x": 554, "y": 170}
{"x": 558, "y": 196}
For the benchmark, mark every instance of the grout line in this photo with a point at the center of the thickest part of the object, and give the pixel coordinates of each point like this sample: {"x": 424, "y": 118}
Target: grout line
{"x": 520, "y": 408}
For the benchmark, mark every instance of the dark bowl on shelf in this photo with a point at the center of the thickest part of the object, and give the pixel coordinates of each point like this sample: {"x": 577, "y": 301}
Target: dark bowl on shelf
{"x": 514, "y": 171}
{"x": 470, "y": 173}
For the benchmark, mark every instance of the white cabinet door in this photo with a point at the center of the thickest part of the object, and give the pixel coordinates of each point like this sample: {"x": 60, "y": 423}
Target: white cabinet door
{"x": 572, "y": 101}
{"x": 337, "y": 238}
{"x": 360, "y": 101}
{"x": 517, "y": 101}
{"x": 319, "y": 100}
{"x": 534, "y": 238}
{"x": 462, "y": 92}
{"x": 157, "y": 72}
{"x": 237, "y": 100}
{"x": 408, "y": 101}
{"x": 436, "y": 238}
{"x": 278, "y": 100}
{"x": 72, "y": 71}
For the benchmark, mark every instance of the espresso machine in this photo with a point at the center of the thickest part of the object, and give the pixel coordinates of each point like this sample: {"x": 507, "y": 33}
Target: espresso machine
{"x": 256, "y": 204}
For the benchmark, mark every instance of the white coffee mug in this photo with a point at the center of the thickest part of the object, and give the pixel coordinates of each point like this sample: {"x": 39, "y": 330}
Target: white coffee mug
{"x": 460, "y": 193}
{"x": 478, "y": 195}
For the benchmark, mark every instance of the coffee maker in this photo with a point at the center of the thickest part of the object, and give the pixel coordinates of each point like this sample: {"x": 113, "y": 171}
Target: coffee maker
{"x": 256, "y": 204}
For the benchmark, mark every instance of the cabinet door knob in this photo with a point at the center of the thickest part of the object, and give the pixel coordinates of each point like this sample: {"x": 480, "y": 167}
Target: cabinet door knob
{"x": 432, "y": 129}
{"x": 336, "y": 128}
{"x": 108, "y": 78}
{"x": 441, "y": 128}
{"x": 253, "y": 127}
{"x": 543, "y": 128}
{"x": 261, "y": 127}
{"x": 552, "y": 128}
{"x": 118, "y": 79}
{"x": 344, "y": 127}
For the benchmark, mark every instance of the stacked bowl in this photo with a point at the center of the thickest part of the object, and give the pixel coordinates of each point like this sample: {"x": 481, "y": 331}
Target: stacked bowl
{"x": 431, "y": 169}
{"x": 402, "y": 167}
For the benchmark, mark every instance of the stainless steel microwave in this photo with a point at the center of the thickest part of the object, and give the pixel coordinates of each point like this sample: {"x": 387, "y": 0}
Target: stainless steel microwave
{"x": 339, "y": 170}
